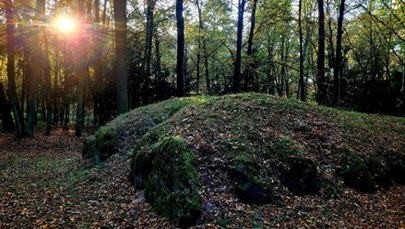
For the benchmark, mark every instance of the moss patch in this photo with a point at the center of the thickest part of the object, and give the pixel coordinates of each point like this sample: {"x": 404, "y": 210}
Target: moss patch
{"x": 282, "y": 149}
{"x": 248, "y": 185}
{"x": 172, "y": 186}
{"x": 102, "y": 145}
{"x": 355, "y": 172}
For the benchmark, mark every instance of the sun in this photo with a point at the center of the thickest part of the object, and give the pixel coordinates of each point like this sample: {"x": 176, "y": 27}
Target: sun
{"x": 66, "y": 24}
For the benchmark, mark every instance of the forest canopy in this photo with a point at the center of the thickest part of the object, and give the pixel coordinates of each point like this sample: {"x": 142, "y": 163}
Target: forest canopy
{"x": 71, "y": 61}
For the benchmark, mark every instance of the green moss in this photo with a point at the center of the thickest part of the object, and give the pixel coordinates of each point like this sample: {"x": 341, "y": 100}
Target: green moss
{"x": 283, "y": 148}
{"x": 101, "y": 145}
{"x": 225, "y": 222}
{"x": 173, "y": 184}
{"x": 355, "y": 172}
{"x": 250, "y": 186}
{"x": 106, "y": 143}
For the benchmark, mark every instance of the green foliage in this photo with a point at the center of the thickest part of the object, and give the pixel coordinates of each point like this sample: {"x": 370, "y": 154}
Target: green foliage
{"x": 173, "y": 184}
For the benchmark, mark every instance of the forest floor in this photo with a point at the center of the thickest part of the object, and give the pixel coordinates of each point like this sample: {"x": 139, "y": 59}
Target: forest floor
{"x": 44, "y": 183}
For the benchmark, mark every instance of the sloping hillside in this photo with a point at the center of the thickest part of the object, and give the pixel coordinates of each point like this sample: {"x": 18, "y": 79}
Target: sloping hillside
{"x": 256, "y": 160}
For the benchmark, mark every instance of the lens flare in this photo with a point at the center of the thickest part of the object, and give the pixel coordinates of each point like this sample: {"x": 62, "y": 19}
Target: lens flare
{"x": 66, "y": 25}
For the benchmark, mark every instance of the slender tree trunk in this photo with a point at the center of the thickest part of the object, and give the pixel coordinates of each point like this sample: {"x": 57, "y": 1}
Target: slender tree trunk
{"x": 250, "y": 70}
{"x": 200, "y": 26}
{"x": 202, "y": 43}
{"x": 47, "y": 72}
{"x": 12, "y": 89}
{"x": 148, "y": 47}
{"x": 121, "y": 69}
{"x": 180, "y": 48}
{"x": 5, "y": 111}
{"x": 206, "y": 67}
{"x": 158, "y": 65}
{"x": 56, "y": 111}
{"x": 238, "y": 61}
{"x": 321, "y": 95}
{"x": 302, "y": 86}
{"x": 99, "y": 108}
{"x": 338, "y": 60}
{"x": 80, "y": 75}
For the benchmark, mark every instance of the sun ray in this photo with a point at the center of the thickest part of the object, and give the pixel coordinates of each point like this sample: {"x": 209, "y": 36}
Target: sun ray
{"x": 65, "y": 24}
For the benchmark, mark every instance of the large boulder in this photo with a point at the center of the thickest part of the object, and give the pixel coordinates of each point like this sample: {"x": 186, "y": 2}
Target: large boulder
{"x": 101, "y": 145}
{"x": 301, "y": 178}
{"x": 247, "y": 187}
{"x": 171, "y": 180}
{"x": 355, "y": 172}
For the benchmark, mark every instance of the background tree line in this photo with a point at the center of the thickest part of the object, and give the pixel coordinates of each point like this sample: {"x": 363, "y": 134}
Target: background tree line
{"x": 131, "y": 53}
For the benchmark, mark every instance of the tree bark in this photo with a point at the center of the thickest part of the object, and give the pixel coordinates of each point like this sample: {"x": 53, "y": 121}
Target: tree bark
{"x": 200, "y": 25}
{"x": 238, "y": 61}
{"x": 121, "y": 69}
{"x": 5, "y": 112}
{"x": 80, "y": 75}
{"x": 148, "y": 47}
{"x": 250, "y": 70}
{"x": 302, "y": 86}
{"x": 322, "y": 92}
{"x": 12, "y": 89}
{"x": 180, "y": 48}
{"x": 338, "y": 59}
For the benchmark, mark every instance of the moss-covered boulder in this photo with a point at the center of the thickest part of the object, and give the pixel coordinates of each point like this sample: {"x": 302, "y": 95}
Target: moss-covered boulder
{"x": 248, "y": 188}
{"x": 355, "y": 172}
{"x": 301, "y": 178}
{"x": 142, "y": 158}
{"x": 380, "y": 172}
{"x": 396, "y": 164}
{"x": 172, "y": 187}
{"x": 101, "y": 145}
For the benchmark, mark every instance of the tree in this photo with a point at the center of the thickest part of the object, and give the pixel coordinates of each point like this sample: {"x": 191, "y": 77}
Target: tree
{"x": 150, "y": 7}
{"x": 12, "y": 89}
{"x": 180, "y": 48}
{"x": 121, "y": 55}
{"x": 322, "y": 93}
{"x": 338, "y": 60}
{"x": 249, "y": 74}
{"x": 238, "y": 60}
{"x": 5, "y": 112}
{"x": 81, "y": 72}
{"x": 302, "y": 86}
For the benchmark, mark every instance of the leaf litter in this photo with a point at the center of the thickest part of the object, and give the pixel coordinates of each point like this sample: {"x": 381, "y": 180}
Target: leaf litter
{"x": 46, "y": 184}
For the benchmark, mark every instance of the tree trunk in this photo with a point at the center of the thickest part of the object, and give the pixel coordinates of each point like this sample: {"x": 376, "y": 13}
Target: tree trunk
{"x": 238, "y": 61}
{"x": 158, "y": 65}
{"x": 200, "y": 26}
{"x": 12, "y": 89}
{"x": 250, "y": 70}
{"x": 338, "y": 59}
{"x": 80, "y": 75}
{"x": 180, "y": 48}
{"x": 148, "y": 47}
{"x": 47, "y": 76}
{"x": 121, "y": 69}
{"x": 322, "y": 92}
{"x": 302, "y": 86}
{"x": 5, "y": 112}
{"x": 202, "y": 46}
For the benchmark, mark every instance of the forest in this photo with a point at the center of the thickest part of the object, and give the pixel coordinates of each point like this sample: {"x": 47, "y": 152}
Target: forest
{"x": 282, "y": 113}
{"x": 62, "y": 59}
